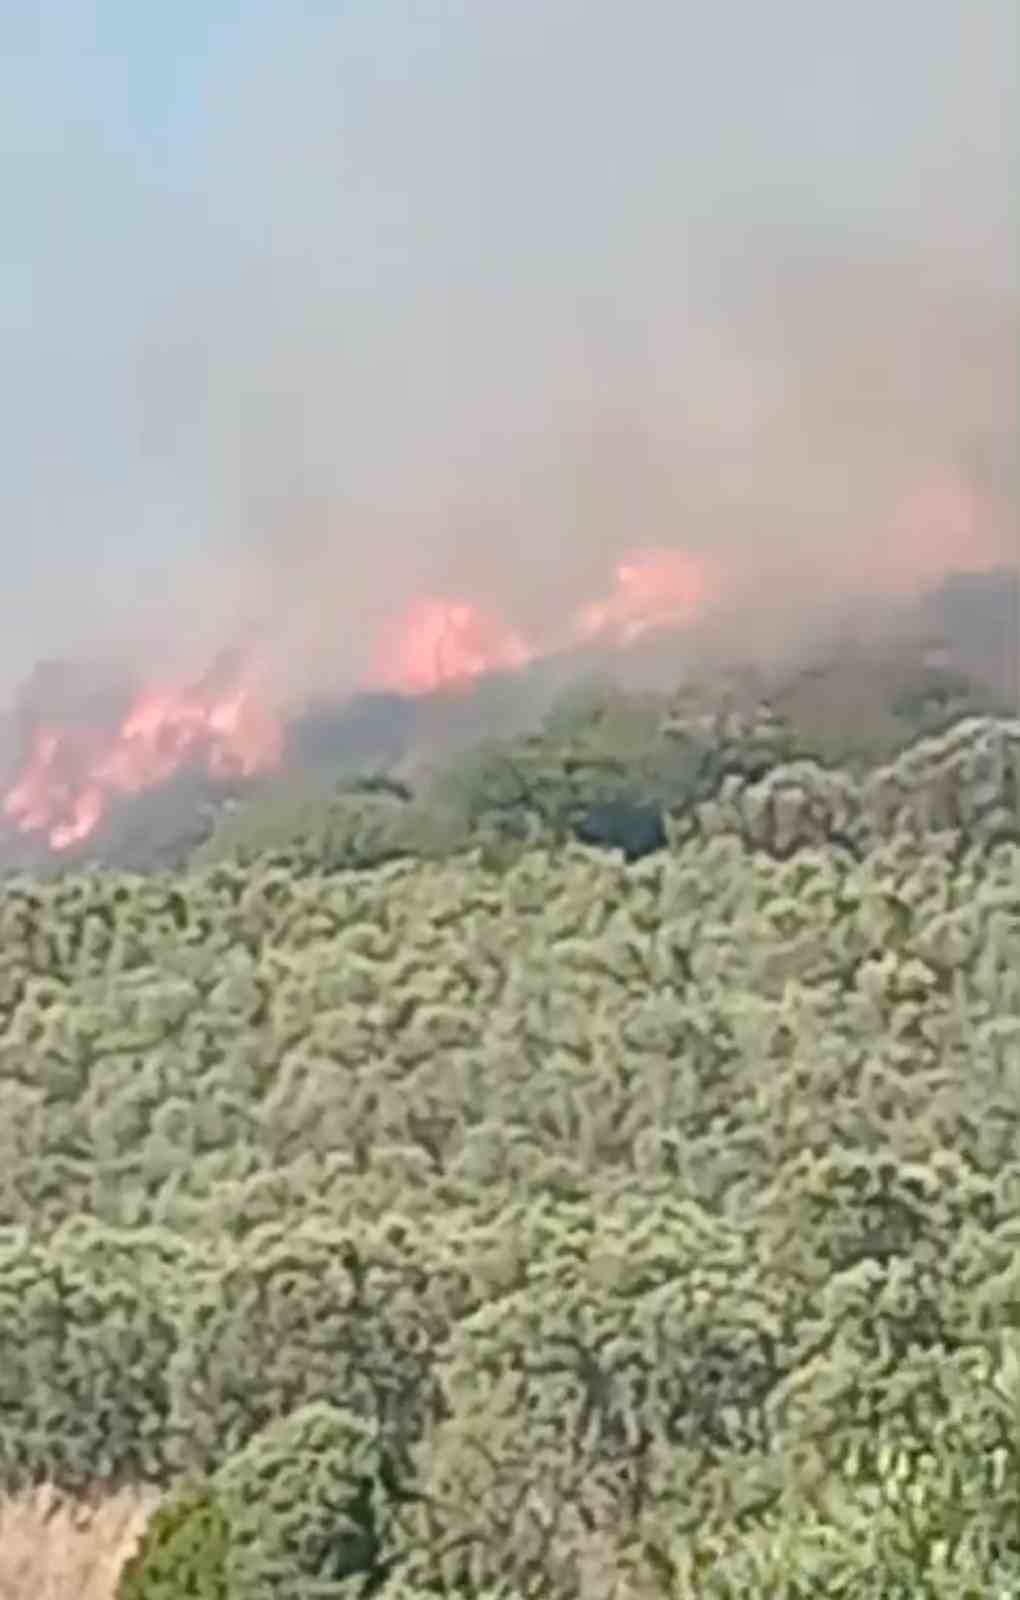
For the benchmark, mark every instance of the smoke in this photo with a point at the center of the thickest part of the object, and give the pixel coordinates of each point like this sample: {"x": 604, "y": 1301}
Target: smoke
{"x": 475, "y": 298}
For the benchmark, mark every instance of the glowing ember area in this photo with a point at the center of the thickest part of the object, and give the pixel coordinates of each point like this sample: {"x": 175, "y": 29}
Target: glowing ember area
{"x": 441, "y": 642}
{"x": 652, "y": 589}
{"x": 69, "y": 774}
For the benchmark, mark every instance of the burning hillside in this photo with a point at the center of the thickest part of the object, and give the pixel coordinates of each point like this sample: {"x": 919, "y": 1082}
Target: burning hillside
{"x": 73, "y": 767}
{"x": 438, "y": 642}
{"x": 79, "y": 757}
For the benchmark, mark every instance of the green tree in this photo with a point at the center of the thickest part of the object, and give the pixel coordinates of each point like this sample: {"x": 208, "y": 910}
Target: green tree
{"x": 184, "y": 1551}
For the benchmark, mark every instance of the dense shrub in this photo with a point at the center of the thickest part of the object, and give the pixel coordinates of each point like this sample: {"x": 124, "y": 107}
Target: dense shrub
{"x": 313, "y": 824}
{"x": 586, "y": 1223}
{"x": 89, "y": 1320}
{"x": 308, "y": 1507}
{"x": 183, "y": 1552}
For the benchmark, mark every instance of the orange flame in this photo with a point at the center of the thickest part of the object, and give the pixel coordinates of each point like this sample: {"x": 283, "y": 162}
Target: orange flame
{"x": 69, "y": 776}
{"x": 71, "y": 773}
{"x": 652, "y": 589}
{"x": 440, "y": 642}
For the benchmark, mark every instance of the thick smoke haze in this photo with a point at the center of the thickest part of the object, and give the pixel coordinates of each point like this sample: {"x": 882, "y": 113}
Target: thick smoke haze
{"x": 476, "y": 298}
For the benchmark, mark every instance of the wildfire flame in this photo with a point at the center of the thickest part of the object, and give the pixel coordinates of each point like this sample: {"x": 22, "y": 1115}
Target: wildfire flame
{"x": 439, "y": 642}
{"x": 652, "y": 589}
{"x": 70, "y": 775}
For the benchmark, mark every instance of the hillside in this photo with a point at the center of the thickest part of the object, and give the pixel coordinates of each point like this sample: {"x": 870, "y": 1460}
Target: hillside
{"x": 853, "y": 696}
{"x": 530, "y": 1222}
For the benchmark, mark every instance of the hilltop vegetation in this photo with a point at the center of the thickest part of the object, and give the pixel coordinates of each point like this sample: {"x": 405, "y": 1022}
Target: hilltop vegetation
{"x": 532, "y": 750}
{"x": 423, "y": 1201}
{"x": 615, "y": 768}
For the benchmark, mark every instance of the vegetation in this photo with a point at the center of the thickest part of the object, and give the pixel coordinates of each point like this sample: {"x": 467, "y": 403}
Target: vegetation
{"x": 183, "y": 1551}
{"x": 442, "y": 1205}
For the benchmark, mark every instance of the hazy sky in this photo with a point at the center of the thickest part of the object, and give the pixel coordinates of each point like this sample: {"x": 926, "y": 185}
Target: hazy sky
{"x": 344, "y": 300}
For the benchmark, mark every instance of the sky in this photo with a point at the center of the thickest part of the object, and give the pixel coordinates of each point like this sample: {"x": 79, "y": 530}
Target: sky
{"x": 141, "y": 73}
{"x": 306, "y": 307}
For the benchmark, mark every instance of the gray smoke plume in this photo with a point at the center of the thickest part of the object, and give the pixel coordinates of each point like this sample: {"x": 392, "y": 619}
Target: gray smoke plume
{"x": 475, "y": 298}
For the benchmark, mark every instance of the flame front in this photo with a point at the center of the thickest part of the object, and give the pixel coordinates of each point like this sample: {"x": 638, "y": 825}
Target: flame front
{"x": 69, "y": 775}
{"x": 442, "y": 641}
{"x": 652, "y": 589}
{"x": 439, "y": 642}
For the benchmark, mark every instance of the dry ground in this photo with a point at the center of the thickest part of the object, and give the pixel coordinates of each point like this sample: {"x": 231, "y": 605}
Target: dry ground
{"x": 52, "y": 1553}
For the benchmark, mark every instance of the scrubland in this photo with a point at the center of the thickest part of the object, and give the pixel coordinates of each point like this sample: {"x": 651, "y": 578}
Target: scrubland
{"x": 499, "y": 1216}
